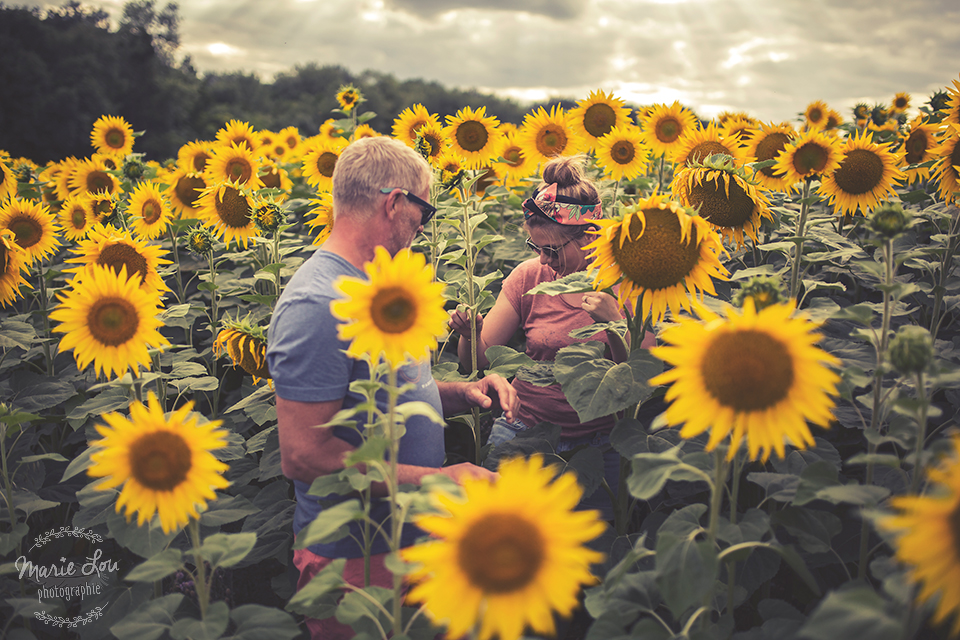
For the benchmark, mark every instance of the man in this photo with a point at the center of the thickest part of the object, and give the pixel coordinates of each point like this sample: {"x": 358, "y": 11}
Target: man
{"x": 376, "y": 187}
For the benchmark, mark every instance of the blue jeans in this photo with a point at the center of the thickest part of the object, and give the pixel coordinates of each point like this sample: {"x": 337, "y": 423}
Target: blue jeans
{"x": 503, "y": 431}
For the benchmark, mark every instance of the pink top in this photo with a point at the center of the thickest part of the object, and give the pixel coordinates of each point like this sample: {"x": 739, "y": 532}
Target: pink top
{"x": 547, "y": 322}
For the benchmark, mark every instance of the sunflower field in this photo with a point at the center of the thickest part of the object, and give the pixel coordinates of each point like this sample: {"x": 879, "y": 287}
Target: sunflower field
{"x": 789, "y": 451}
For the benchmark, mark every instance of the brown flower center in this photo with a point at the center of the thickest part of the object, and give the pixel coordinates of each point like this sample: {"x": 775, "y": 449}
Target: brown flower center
{"x": 719, "y": 209}
{"x": 434, "y": 143}
{"x": 412, "y": 131}
{"x": 916, "y": 146}
{"x": 188, "y": 190}
{"x": 78, "y": 217}
{"x": 599, "y": 119}
{"x": 513, "y": 155}
{"x": 292, "y": 142}
{"x": 200, "y": 160}
{"x": 501, "y": 553}
{"x": 112, "y": 321}
{"x": 551, "y": 140}
{"x": 326, "y": 161}
{"x": 809, "y": 158}
{"x": 4, "y": 259}
{"x": 115, "y": 138}
{"x": 769, "y": 148}
{"x": 704, "y": 150}
{"x": 232, "y": 208}
{"x": 472, "y": 135}
{"x": 815, "y": 115}
{"x": 151, "y": 211}
{"x": 623, "y": 152}
{"x": 657, "y": 259}
{"x": 900, "y": 103}
{"x": 119, "y": 255}
{"x": 28, "y": 230}
{"x": 954, "y": 522}
{"x": 102, "y": 207}
{"x": 954, "y": 158}
{"x": 747, "y": 370}
{"x": 99, "y": 181}
{"x": 160, "y": 460}
{"x": 393, "y": 310}
{"x": 238, "y": 170}
{"x": 271, "y": 179}
{"x": 668, "y": 130}
{"x": 860, "y": 172}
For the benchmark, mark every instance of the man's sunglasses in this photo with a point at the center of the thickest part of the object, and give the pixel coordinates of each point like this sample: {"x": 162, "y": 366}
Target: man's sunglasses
{"x": 550, "y": 252}
{"x": 427, "y": 210}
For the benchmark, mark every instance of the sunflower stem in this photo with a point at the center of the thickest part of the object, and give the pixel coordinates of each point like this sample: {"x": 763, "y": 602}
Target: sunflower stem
{"x": 396, "y": 525}
{"x": 46, "y": 318}
{"x": 203, "y": 593}
{"x": 472, "y": 302}
{"x": 214, "y": 312}
{"x": 276, "y": 260}
{"x": 720, "y": 469}
{"x": 660, "y": 176}
{"x": 181, "y": 296}
{"x": 921, "y": 432}
{"x": 734, "y": 491}
{"x": 798, "y": 252}
{"x": 946, "y": 263}
{"x": 8, "y": 484}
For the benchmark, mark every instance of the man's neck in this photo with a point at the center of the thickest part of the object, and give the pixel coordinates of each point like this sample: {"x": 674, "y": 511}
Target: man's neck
{"x": 352, "y": 242}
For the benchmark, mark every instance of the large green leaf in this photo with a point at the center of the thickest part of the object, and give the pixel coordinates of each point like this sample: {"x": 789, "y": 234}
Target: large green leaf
{"x": 157, "y": 567}
{"x": 227, "y": 549}
{"x": 330, "y": 525}
{"x": 317, "y": 598}
{"x": 858, "y": 612}
{"x": 651, "y": 471}
{"x": 257, "y": 622}
{"x": 150, "y": 620}
{"x": 686, "y": 570}
{"x": 212, "y": 626}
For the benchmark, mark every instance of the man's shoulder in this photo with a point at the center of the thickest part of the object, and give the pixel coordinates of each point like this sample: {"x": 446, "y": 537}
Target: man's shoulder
{"x": 316, "y": 276}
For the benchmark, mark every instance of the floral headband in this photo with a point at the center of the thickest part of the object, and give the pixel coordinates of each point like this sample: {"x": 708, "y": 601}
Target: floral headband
{"x": 561, "y": 209}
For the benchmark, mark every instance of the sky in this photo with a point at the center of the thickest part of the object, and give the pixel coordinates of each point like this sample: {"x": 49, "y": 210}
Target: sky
{"x": 769, "y": 58}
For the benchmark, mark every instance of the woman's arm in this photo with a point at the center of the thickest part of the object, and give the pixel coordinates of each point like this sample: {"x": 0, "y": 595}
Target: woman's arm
{"x": 497, "y": 328}
{"x": 603, "y": 307}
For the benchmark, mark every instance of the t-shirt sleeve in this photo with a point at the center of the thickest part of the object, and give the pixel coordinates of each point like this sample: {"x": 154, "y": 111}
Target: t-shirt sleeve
{"x": 307, "y": 360}
{"x": 517, "y": 283}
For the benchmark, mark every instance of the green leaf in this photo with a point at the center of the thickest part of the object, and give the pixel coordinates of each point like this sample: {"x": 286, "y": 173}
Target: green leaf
{"x": 686, "y": 570}
{"x": 651, "y": 471}
{"x": 29, "y": 502}
{"x": 32, "y": 392}
{"x": 407, "y": 410}
{"x": 325, "y": 583}
{"x": 505, "y": 361}
{"x": 205, "y": 383}
{"x": 212, "y": 626}
{"x": 816, "y": 476}
{"x": 258, "y": 622}
{"x": 855, "y": 494}
{"x": 14, "y": 333}
{"x": 629, "y": 437}
{"x": 578, "y": 282}
{"x": 227, "y": 549}
{"x": 814, "y": 529}
{"x": 796, "y": 563}
{"x": 330, "y": 525}
{"x": 226, "y": 509}
{"x": 10, "y": 540}
{"x": 150, "y": 620}
{"x": 858, "y": 612}
{"x": 43, "y": 456}
{"x": 885, "y": 459}
{"x": 157, "y": 567}
{"x": 144, "y": 541}
{"x": 588, "y": 465}
{"x": 859, "y": 313}
{"x": 539, "y": 374}
{"x": 331, "y": 483}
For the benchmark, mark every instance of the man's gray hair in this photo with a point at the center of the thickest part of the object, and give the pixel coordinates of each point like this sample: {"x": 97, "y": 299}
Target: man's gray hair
{"x": 370, "y": 164}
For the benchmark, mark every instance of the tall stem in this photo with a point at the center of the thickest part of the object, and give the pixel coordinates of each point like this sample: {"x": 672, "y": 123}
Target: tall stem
{"x": 472, "y": 302}
{"x": 660, "y": 176}
{"x": 393, "y": 484}
{"x": 798, "y": 252}
{"x": 46, "y": 318}
{"x": 921, "y": 432}
{"x": 203, "y": 592}
{"x": 946, "y": 264}
{"x": 8, "y": 483}
{"x": 181, "y": 296}
{"x": 276, "y": 260}
{"x": 214, "y": 303}
{"x": 734, "y": 492}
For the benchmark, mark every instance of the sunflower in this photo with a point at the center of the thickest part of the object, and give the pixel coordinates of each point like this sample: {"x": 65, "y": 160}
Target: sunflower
{"x": 193, "y": 156}
{"x": 290, "y": 138}
{"x": 108, "y": 319}
{"x": 816, "y": 114}
{"x": 112, "y": 135}
{"x": 621, "y": 153}
{"x": 61, "y": 183}
{"x": 409, "y": 121}
{"x": 474, "y": 136}
{"x": 12, "y": 263}
{"x": 246, "y": 344}
{"x": 319, "y": 162}
{"x": 76, "y": 217}
{"x": 273, "y": 176}
{"x": 696, "y": 145}
{"x": 184, "y": 192}
{"x": 809, "y": 156}
{"x": 364, "y": 131}
{"x": 233, "y": 163}
{"x": 741, "y": 129}
{"x": 866, "y": 176}
{"x": 766, "y": 144}
{"x": 240, "y": 134}
{"x": 517, "y": 165}
{"x": 349, "y": 97}
{"x": 92, "y": 176}
{"x": 119, "y": 250}
{"x": 919, "y": 146}
{"x": 48, "y": 184}
{"x": 489, "y": 176}
{"x": 507, "y": 555}
{"x": 927, "y": 529}
{"x": 451, "y": 169}
{"x": 396, "y": 313}
{"x": 330, "y": 130}
{"x": 834, "y": 120}
{"x": 900, "y": 103}
{"x": 102, "y": 205}
{"x": 8, "y": 180}
{"x": 946, "y": 169}
{"x": 861, "y": 111}
{"x": 546, "y": 135}
{"x": 663, "y": 126}
{"x": 34, "y": 227}
{"x": 433, "y": 141}
{"x": 725, "y": 117}
{"x": 227, "y": 208}
{"x": 164, "y": 463}
{"x": 724, "y": 197}
{"x": 149, "y": 210}
{"x": 660, "y": 252}
{"x": 322, "y": 217}
{"x": 597, "y": 116}
{"x": 755, "y": 374}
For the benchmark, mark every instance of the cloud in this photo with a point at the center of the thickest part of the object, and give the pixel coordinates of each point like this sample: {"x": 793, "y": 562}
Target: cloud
{"x": 558, "y": 9}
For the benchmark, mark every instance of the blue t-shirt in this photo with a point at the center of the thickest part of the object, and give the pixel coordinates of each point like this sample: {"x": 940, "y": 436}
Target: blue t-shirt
{"x": 308, "y": 363}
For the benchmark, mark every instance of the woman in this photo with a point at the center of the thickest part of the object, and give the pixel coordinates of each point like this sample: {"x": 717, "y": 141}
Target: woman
{"x": 556, "y": 219}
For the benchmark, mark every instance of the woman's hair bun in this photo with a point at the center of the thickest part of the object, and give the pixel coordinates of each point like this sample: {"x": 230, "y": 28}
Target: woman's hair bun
{"x": 565, "y": 171}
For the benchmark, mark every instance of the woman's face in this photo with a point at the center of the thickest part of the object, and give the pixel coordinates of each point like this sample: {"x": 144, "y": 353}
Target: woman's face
{"x": 569, "y": 256}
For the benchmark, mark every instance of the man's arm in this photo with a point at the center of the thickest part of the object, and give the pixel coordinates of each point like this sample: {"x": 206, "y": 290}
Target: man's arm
{"x": 308, "y": 451}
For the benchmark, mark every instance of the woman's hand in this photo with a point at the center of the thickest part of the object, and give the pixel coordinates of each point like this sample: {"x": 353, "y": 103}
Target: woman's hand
{"x": 601, "y": 306}
{"x": 460, "y": 322}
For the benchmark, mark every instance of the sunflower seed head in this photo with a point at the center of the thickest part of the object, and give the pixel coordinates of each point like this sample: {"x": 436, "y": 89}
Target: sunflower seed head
{"x": 911, "y": 349}
{"x": 134, "y": 168}
{"x": 889, "y": 220}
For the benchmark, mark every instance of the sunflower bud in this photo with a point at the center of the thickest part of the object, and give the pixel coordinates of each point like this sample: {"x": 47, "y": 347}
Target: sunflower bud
{"x": 911, "y": 349}
{"x": 23, "y": 172}
{"x": 939, "y": 101}
{"x": 763, "y": 290}
{"x": 134, "y": 168}
{"x": 422, "y": 145}
{"x": 268, "y": 216}
{"x": 861, "y": 111}
{"x": 879, "y": 115}
{"x": 889, "y": 220}
{"x": 200, "y": 241}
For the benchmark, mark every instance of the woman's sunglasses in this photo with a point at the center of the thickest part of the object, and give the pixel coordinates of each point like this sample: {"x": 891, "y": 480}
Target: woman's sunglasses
{"x": 550, "y": 252}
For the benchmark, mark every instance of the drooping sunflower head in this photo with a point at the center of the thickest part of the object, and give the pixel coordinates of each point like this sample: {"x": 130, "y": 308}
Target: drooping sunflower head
{"x": 474, "y": 136}
{"x": 331, "y": 130}
{"x": 199, "y": 241}
{"x": 149, "y": 210}
{"x": 946, "y": 169}
{"x": 322, "y": 217}
{"x": 755, "y": 375}
{"x": 34, "y": 227}
{"x": 927, "y": 530}
{"x": 545, "y": 135}
{"x": 320, "y": 161}
{"x": 246, "y": 344}
{"x": 8, "y": 178}
{"x": 409, "y": 121}
{"x": 722, "y": 194}
{"x": 184, "y": 192}
{"x": 193, "y": 156}
{"x": 766, "y": 144}
{"x": 241, "y": 134}
{"x": 274, "y": 176}
{"x": 507, "y": 555}
{"x": 164, "y": 464}
{"x": 517, "y": 165}
{"x": 396, "y": 314}
{"x": 664, "y": 126}
{"x": 659, "y": 253}
{"x": 816, "y": 114}
{"x": 93, "y": 176}
{"x": 866, "y": 176}
{"x": 112, "y": 135}
{"x": 889, "y": 220}
{"x": 430, "y": 142}
{"x": 76, "y": 217}
{"x": 834, "y": 120}
{"x": 12, "y": 266}
{"x": 699, "y": 144}
{"x": 861, "y": 111}
{"x": 725, "y": 117}
{"x": 622, "y": 153}
{"x": 119, "y": 250}
{"x": 451, "y": 169}
{"x": 227, "y": 208}
{"x": 597, "y": 115}
{"x": 919, "y": 146}
{"x": 107, "y": 318}
{"x": 811, "y": 155}
{"x": 349, "y": 97}
{"x": 233, "y": 163}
